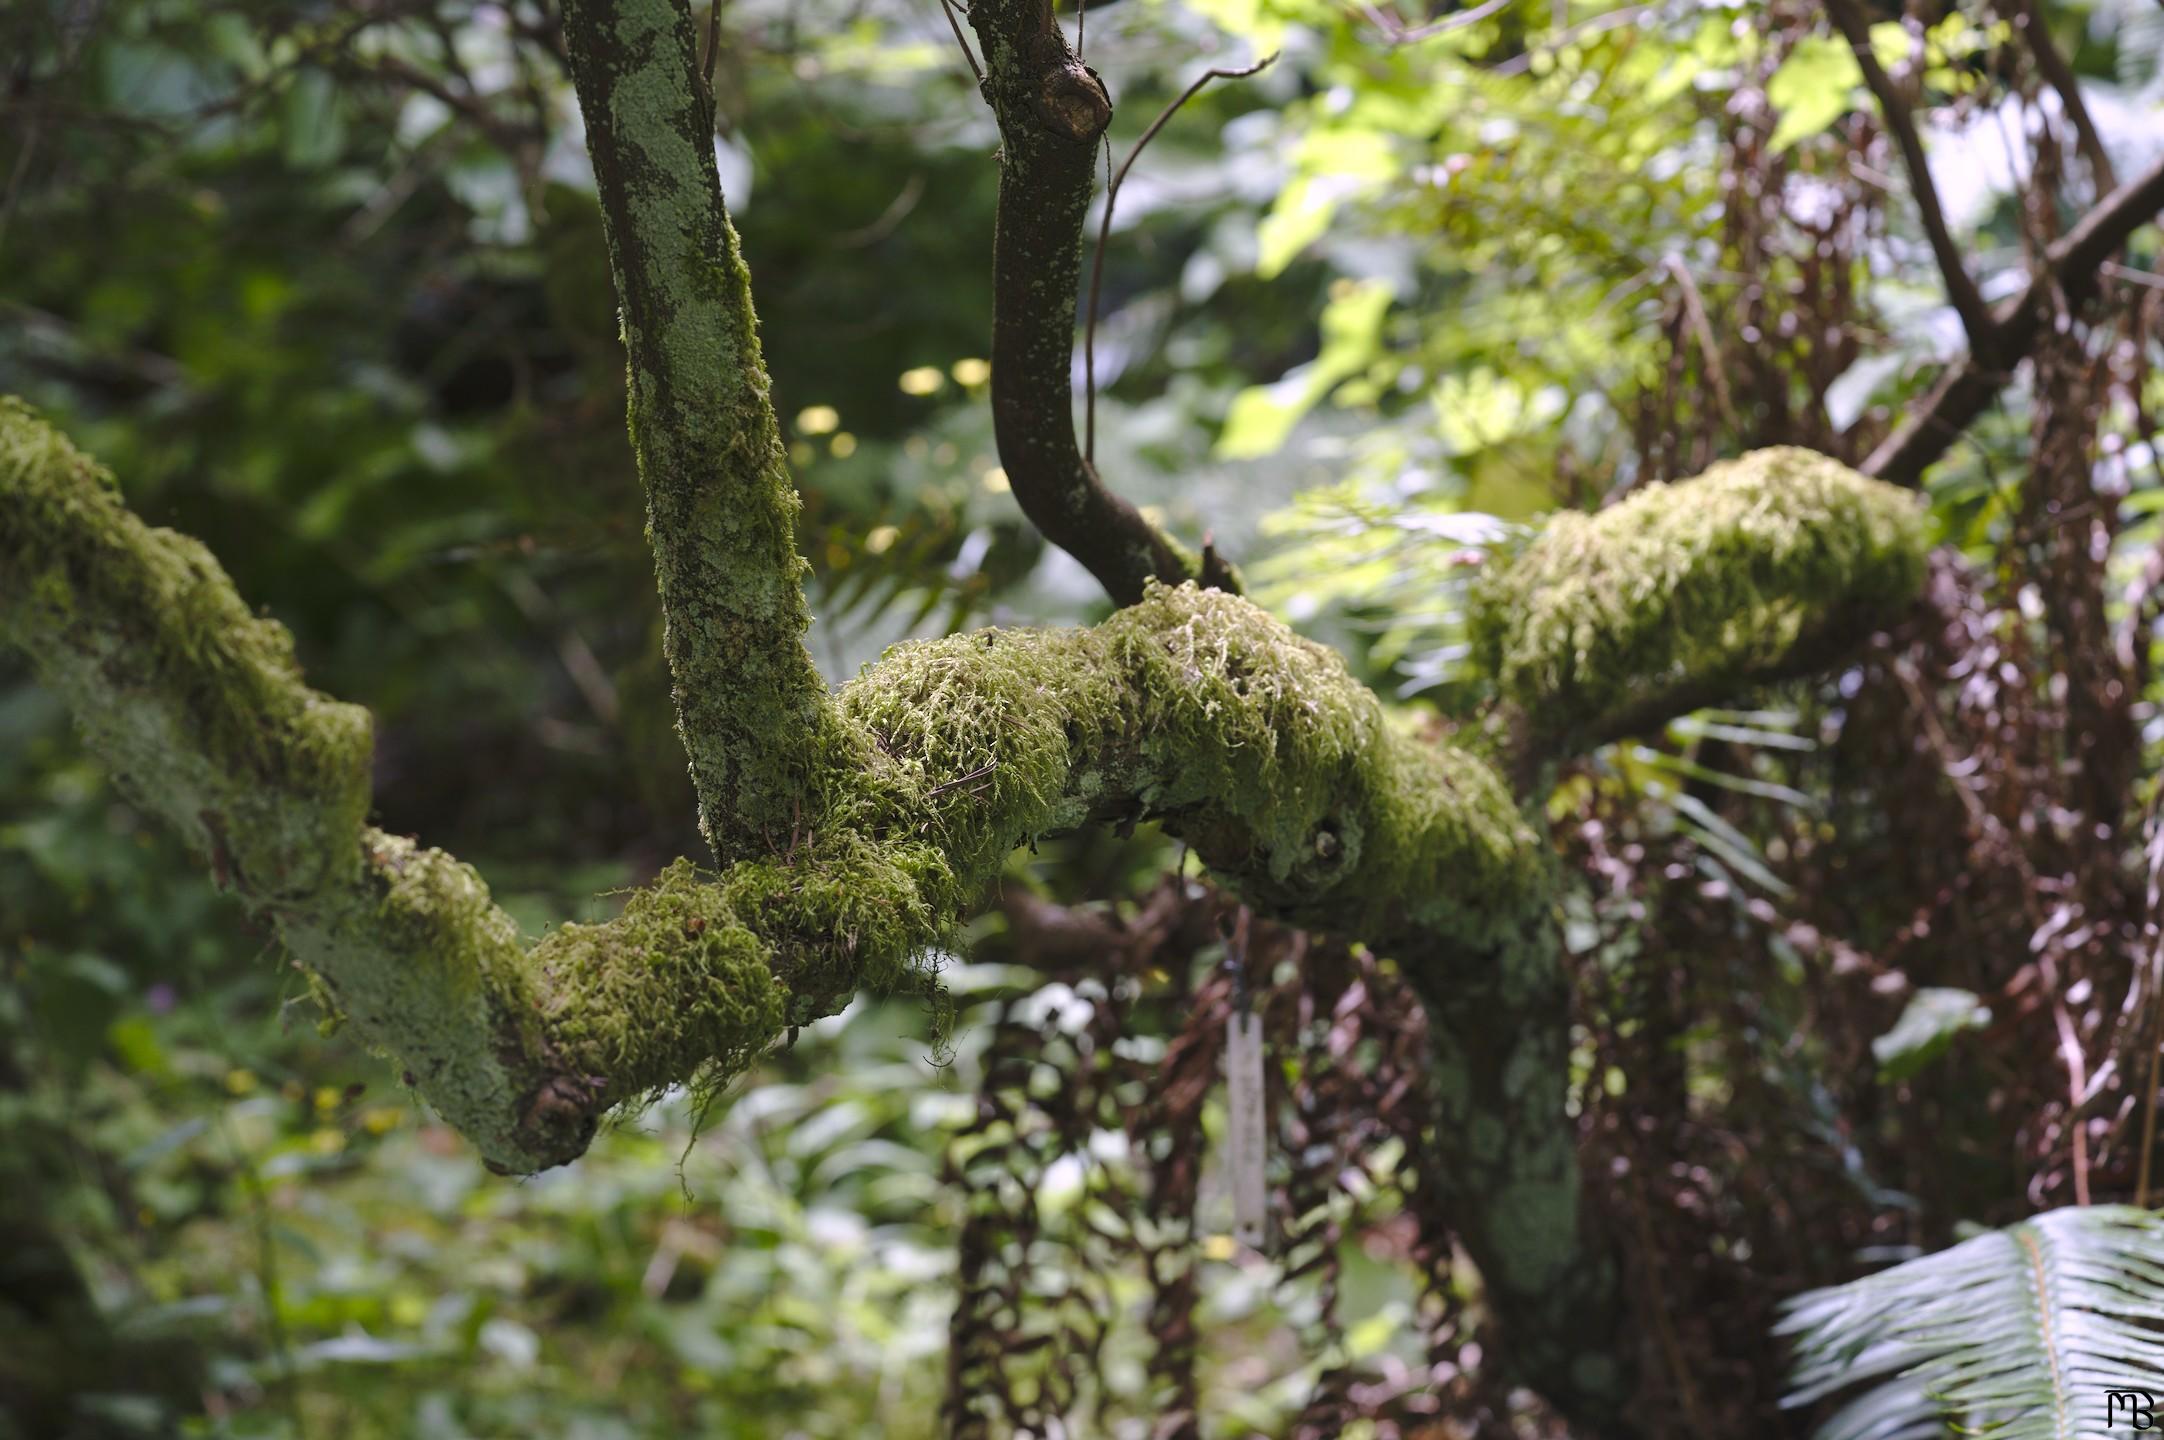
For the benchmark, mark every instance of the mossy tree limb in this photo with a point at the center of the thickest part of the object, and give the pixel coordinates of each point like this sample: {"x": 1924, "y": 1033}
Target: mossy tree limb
{"x": 1609, "y": 625}
{"x": 721, "y": 508}
{"x": 1192, "y": 708}
{"x": 1052, "y": 111}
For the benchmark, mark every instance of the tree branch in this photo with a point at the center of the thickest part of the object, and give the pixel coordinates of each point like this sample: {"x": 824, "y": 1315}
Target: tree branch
{"x": 1052, "y": 111}
{"x": 1611, "y": 624}
{"x": 1192, "y": 708}
{"x": 721, "y": 509}
{"x": 2071, "y": 267}
{"x": 1968, "y": 302}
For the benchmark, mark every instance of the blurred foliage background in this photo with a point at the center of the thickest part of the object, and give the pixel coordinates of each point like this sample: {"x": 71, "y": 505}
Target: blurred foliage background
{"x": 323, "y": 284}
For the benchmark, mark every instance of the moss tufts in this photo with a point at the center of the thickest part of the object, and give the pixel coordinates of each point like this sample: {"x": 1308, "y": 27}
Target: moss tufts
{"x": 1688, "y": 590}
{"x": 1261, "y": 747}
{"x": 675, "y": 982}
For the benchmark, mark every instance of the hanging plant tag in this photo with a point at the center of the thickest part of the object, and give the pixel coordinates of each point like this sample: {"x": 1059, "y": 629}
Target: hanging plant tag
{"x": 1247, "y": 1138}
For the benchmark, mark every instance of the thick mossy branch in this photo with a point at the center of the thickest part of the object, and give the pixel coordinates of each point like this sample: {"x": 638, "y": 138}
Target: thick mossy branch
{"x": 1193, "y": 707}
{"x": 721, "y": 509}
{"x": 197, "y": 708}
{"x": 1761, "y": 568}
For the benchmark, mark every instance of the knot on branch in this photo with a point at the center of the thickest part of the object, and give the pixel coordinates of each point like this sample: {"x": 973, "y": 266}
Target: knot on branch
{"x": 558, "y": 1120}
{"x": 1068, "y": 97}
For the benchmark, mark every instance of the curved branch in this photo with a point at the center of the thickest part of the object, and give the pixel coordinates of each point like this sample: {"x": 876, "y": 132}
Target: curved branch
{"x": 721, "y": 509}
{"x": 1966, "y": 389}
{"x": 1763, "y": 568}
{"x": 1052, "y": 111}
{"x": 1192, "y": 707}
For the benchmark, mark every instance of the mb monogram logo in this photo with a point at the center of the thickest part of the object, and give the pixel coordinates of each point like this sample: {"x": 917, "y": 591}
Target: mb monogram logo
{"x": 2138, "y": 1408}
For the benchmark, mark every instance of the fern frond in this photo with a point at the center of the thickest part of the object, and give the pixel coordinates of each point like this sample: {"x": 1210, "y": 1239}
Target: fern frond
{"x": 2017, "y": 1334}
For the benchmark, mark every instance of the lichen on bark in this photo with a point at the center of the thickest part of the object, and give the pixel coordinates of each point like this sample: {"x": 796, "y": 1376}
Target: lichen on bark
{"x": 721, "y": 508}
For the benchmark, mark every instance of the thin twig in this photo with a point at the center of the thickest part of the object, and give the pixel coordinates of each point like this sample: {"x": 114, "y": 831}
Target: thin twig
{"x": 1104, "y": 235}
{"x": 1694, "y": 307}
{"x": 947, "y": 9}
{"x": 960, "y": 780}
{"x": 1597, "y": 25}
{"x": 1397, "y": 34}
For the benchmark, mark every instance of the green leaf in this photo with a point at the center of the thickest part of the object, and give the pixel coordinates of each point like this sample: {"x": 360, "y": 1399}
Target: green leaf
{"x": 1812, "y": 89}
{"x": 2018, "y": 1333}
{"x": 1935, "y": 1015}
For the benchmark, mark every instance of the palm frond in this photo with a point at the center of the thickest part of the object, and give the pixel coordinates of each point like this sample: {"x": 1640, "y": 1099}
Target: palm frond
{"x": 2017, "y": 1334}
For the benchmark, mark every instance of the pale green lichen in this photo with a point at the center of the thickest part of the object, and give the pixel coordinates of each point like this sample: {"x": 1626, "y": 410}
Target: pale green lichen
{"x": 721, "y": 509}
{"x": 195, "y": 703}
{"x": 1694, "y": 588}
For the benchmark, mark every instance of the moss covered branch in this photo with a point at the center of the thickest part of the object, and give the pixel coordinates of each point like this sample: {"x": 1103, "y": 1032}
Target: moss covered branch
{"x": 1762, "y": 568}
{"x": 1192, "y": 708}
{"x": 1052, "y": 112}
{"x": 721, "y": 509}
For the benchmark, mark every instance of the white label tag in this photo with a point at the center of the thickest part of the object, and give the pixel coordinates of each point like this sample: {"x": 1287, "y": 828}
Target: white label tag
{"x": 1247, "y": 1138}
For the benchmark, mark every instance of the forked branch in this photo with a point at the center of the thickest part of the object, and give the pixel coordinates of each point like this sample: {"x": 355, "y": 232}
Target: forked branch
{"x": 2072, "y": 267}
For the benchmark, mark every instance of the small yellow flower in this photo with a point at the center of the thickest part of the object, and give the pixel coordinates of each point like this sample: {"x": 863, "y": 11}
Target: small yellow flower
{"x": 818, "y": 420}
{"x": 995, "y": 481}
{"x": 921, "y": 381}
{"x": 971, "y": 372}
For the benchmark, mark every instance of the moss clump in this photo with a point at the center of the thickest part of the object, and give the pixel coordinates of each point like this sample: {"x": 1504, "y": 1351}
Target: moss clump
{"x": 677, "y": 980}
{"x": 195, "y": 703}
{"x": 1261, "y": 747}
{"x": 1691, "y": 588}
{"x": 1198, "y": 709}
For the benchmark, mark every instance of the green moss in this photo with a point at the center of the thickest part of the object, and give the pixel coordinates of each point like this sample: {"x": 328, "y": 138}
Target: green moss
{"x": 1264, "y": 750}
{"x": 676, "y": 981}
{"x": 1687, "y": 589}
